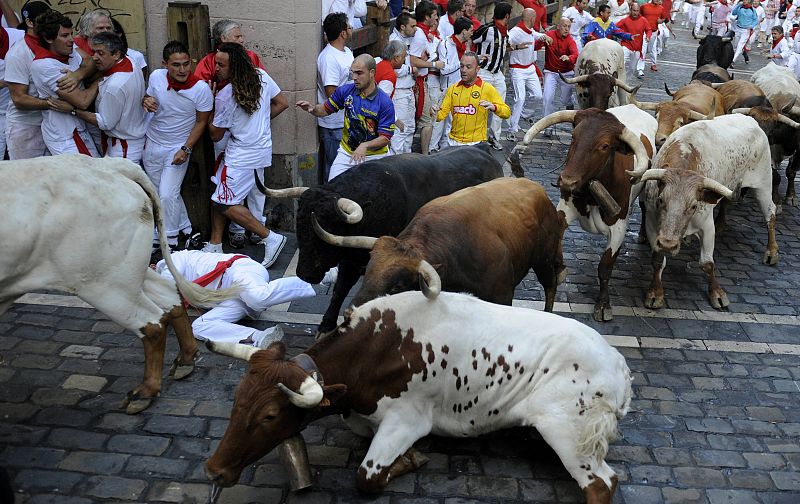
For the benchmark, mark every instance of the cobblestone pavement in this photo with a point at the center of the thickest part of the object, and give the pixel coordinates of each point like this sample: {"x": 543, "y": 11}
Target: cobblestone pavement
{"x": 715, "y": 419}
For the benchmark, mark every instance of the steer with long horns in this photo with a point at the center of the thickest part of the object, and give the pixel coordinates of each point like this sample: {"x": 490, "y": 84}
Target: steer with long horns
{"x": 482, "y": 240}
{"x": 375, "y": 198}
{"x": 693, "y": 102}
{"x": 699, "y": 165}
{"x": 599, "y": 72}
{"x": 407, "y": 365}
{"x": 594, "y": 186}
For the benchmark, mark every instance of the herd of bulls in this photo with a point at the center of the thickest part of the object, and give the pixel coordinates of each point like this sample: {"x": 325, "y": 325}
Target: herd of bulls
{"x": 405, "y": 364}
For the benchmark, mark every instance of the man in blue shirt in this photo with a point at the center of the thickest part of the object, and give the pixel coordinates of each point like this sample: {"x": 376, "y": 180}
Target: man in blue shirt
{"x": 603, "y": 27}
{"x": 745, "y": 25}
{"x": 368, "y": 117}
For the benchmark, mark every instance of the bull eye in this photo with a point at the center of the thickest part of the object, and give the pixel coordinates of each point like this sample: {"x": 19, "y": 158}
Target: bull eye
{"x": 268, "y": 418}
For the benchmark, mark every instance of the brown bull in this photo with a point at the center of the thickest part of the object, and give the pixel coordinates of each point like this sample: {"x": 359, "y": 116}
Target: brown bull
{"x": 482, "y": 240}
{"x": 693, "y": 102}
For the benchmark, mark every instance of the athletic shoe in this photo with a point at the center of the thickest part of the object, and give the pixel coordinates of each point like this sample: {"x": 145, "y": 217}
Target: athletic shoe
{"x": 193, "y": 242}
{"x": 653, "y": 68}
{"x": 215, "y": 248}
{"x": 273, "y": 244}
{"x": 511, "y": 136}
{"x": 330, "y": 276}
{"x": 494, "y": 144}
{"x": 640, "y": 74}
{"x": 263, "y": 339}
{"x": 236, "y": 240}
{"x": 746, "y": 57}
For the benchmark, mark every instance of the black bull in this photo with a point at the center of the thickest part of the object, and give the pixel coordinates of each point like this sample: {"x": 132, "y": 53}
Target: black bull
{"x": 390, "y": 191}
{"x": 715, "y": 49}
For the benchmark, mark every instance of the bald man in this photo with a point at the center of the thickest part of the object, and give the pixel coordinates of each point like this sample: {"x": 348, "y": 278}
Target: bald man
{"x": 368, "y": 117}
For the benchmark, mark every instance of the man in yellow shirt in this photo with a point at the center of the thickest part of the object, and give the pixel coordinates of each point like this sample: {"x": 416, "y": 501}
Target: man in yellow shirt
{"x": 470, "y": 101}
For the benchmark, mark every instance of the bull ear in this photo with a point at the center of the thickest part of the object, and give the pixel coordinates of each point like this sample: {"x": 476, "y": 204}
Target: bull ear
{"x": 332, "y": 393}
{"x": 710, "y": 197}
{"x": 277, "y": 350}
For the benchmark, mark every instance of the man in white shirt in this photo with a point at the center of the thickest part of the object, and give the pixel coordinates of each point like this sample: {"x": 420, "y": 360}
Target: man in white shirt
{"x": 428, "y": 77}
{"x": 62, "y": 131}
{"x": 455, "y": 9}
{"x": 403, "y": 99}
{"x": 181, "y": 104}
{"x": 333, "y": 70}
{"x": 119, "y": 112}
{"x": 8, "y": 37}
{"x": 522, "y": 65}
{"x": 24, "y": 116}
{"x": 244, "y": 107}
{"x": 355, "y": 10}
{"x": 580, "y": 17}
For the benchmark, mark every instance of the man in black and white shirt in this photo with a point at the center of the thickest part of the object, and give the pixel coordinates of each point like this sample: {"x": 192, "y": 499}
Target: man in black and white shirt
{"x": 491, "y": 42}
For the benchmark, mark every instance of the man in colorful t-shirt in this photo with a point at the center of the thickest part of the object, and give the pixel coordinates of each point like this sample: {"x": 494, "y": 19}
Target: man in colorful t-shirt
{"x": 368, "y": 117}
{"x": 470, "y": 102}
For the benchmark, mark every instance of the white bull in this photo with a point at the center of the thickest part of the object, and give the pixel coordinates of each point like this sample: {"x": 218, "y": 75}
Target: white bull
{"x": 85, "y": 226}
{"x": 599, "y": 71}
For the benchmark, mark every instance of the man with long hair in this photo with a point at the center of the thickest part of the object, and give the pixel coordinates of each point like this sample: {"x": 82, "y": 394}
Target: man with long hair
{"x": 245, "y": 108}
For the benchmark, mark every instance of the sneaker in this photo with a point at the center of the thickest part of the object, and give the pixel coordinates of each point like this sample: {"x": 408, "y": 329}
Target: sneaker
{"x": 759, "y": 45}
{"x": 746, "y": 57}
{"x": 236, "y": 240}
{"x": 511, "y": 136}
{"x": 214, "y": 248}
{"x": 653, "y": 68}
{"x": 640, "y": 74}
{"x": 330, "y": 276}
{"x": 273, "y": 244}
{"x": 263, "y": 339}
{"x": 193, "y": 242}
{"x": 494, "y": 144}
{"x": 433, "y": 150}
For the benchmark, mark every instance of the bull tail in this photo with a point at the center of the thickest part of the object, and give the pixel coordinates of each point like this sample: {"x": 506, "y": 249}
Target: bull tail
{"x": 193, "y": 293}
{"x": 601, "y": 420}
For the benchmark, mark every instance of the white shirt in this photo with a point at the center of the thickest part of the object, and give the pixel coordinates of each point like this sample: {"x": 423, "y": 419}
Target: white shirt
{"x": 385, "y": 85}
{"x": 782, "y": 50}
{"x": 524, "y": 57}
{"x": 333, "y": 69}
{"x": 118, "y": 105}
{"x": 353, "y": 8}
{"x": 56, "y": 126}
{"x": 418, "y": 47}
{"x": 250, "y": 145}
{"x": 136, "y": 58}
{"x": 451, "y": 73}
{"x": 445, "y": 27}
{"x": 579, "y": 21}
{"x": 405, "y": 79}
{"x": 14, "y": 36}
{"x": 18, "y": 71}
{"x": 619, "y": 11}
{"x": 177, "y": 110}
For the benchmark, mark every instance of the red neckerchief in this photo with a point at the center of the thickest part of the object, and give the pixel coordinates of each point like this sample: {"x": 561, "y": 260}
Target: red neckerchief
{"x": 580, "y": 11}
{"x": 524, "y": 28}
{"x": 793, "y": 32}
{"x": 218, "y": 270}
{"x": 3, "y": 43}
{"x": 620, "y": 2}
{"x": 83, "y": 44}
{"x": 461, "y": 47}
{"x": 478, "y": 82}
{"x": 503, "y": 29}
{"x": 123, "y": 65}
{"x": 33, "y": 42}
{"x": 428, "y": 31}
{"x": 41, "y": 52}
{"x": 452, "y": 21}
{"x": 180, "y": 86}
{"x": 776, "y": 41}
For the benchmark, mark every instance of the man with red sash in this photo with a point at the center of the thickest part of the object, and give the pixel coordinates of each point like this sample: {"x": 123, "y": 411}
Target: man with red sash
{"x": 559, "y": 61}
{"x": 62, "y": 131}
{"x": 8, "y": 37}
{"x": 455, "y": 9}
{"x": 221, "y": 271}
{"x": 540, "y": 7}
{"x": 92, "y": 23}
{"x": 635, "y": 24}
{"x": 119, "y": 112}
{"x": 181, "y": 104}
{"x": 428, "y": 89}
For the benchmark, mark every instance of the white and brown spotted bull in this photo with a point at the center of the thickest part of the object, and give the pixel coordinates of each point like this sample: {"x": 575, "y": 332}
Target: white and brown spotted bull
{"x": 699, "y": 165}
{"x": 599, "y": 76}
{"x": 594, "y": 186}
{"x": 88, "y": 231}
{"x": 405, "y": 366}
{"x": 482, "y": 240}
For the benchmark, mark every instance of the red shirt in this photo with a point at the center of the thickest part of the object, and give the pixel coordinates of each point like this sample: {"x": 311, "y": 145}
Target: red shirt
{"x": 667, "y": 6}
{"x": 540, "y": 24}
{"x": 561, "y": 46}
{"x": 384, "y": 71}
{"x": 206, "y": 66}
{"x": 635, "y": 26}
{"x": 652, "y": 13}
{"x": 475, "y": 23}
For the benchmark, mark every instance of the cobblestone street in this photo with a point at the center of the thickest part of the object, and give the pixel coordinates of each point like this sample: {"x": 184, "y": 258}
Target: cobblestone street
{"x": 715, "y": 416}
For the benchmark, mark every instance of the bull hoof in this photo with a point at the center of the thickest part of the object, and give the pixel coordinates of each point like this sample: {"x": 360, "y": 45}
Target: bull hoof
{"x": 321, "y": 334}
{"x": 134, "y": 404}
{"x": 718, "y": 299}
{"x": 654, "y": 301}
{"x": 561, "y": 277}
{"x": 779, "y": 209}
{"x": 602, "y": 313}
{"x": 771, "y": 257}
{"x": 179, "y": 370}
{"x": 791, "y": 200}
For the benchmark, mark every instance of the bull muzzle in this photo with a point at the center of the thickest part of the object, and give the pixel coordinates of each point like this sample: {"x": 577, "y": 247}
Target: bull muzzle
{"x": 667, "y": 245}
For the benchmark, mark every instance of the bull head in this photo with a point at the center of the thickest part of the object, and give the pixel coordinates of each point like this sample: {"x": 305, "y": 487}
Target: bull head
{"x": 598, "y": 88}
{"x": 359, "y": 242}
{"x": 778, "y": 117}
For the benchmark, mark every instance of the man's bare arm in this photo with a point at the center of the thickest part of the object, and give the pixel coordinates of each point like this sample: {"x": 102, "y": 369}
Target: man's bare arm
{"x": 278, "y": 105}
{"x": 87, "y": 71}
{"x": 8, "y": 13}
{"x": 80, "y": 98}
{"x": 22, "y": 100}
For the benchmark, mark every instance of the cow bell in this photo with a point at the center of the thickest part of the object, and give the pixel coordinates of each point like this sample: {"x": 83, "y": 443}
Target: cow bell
{"x": 294, "y": 458}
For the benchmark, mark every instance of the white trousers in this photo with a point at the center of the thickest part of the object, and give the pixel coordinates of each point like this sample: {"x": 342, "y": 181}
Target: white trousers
{"x": 695, "y": 16}
{"x": 219, "y": 323}
{"x": 25, "y": 141}
{"x": 794, "y": 64}
{"x": 404, "y": 110}
{"x": 553, "y": 81}
{"x": 70, "y": 146}
{"x": 526, "y": 85}
{"x": 633, "y": 61}
{"x": 498, "y": 80}
{"x": 254, "y": 202}
{"x": 344, "y": 162}
{"x": 435, "y": 97}
{"x": 653, "y": 47}
{"x": 167, "y": 178}
{"x": 2, "y": 136}
{"x": 742, "y": 37}
{"x": 129, "y": 149}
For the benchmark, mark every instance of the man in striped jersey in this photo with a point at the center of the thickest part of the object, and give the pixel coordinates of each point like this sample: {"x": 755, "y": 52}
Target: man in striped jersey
{"x": 491, "y": 42}
{"x": 470, "y": 101}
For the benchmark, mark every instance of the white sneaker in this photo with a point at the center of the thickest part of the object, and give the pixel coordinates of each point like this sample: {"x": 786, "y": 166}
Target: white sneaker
{"x": 640, "y": 74}
{"x": 214, "y": 248}
{"x": 263, "y": 339}
{"x": 273, "y": 244}
{"x": 330, "y": 276}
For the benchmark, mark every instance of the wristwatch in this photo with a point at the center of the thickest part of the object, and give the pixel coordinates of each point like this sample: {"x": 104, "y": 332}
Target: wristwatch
{"x": 73, "y": 112}
{"x": 187, "y": 150}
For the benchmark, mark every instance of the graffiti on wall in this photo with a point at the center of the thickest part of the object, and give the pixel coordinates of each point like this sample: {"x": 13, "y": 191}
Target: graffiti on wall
{"x": 129, "y": 13}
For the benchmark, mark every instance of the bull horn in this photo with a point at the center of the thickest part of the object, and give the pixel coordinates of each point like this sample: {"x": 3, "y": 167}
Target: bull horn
{"x": 716, "y": 85}
{"x": 624, "y": 85}
{"x": 574, "y": 80}
{"x": 786, "y": 120}
{"x": 789, "y": 106}
{"x": 349, "y": 210}
{"x": 309, "y": 396}
{"x": 653, "y": 174}
{"x": 290, "y": 192}
{"x": 713, "y": 185}
{"x": 745, "y": 111}
{"x": 699, "y": 38}
{"x": 636, "y": 145}
{"x": 795, "y": 110}
{"x": 358, "y": 242}
{"x": 429, "y": 282}
{"x": 642, "y": 105}
{"x": 725, "y": 39}
{"x": 667, "y": 89}
{"x": 561, "y": 116}
{"x": 235, "y": 350}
